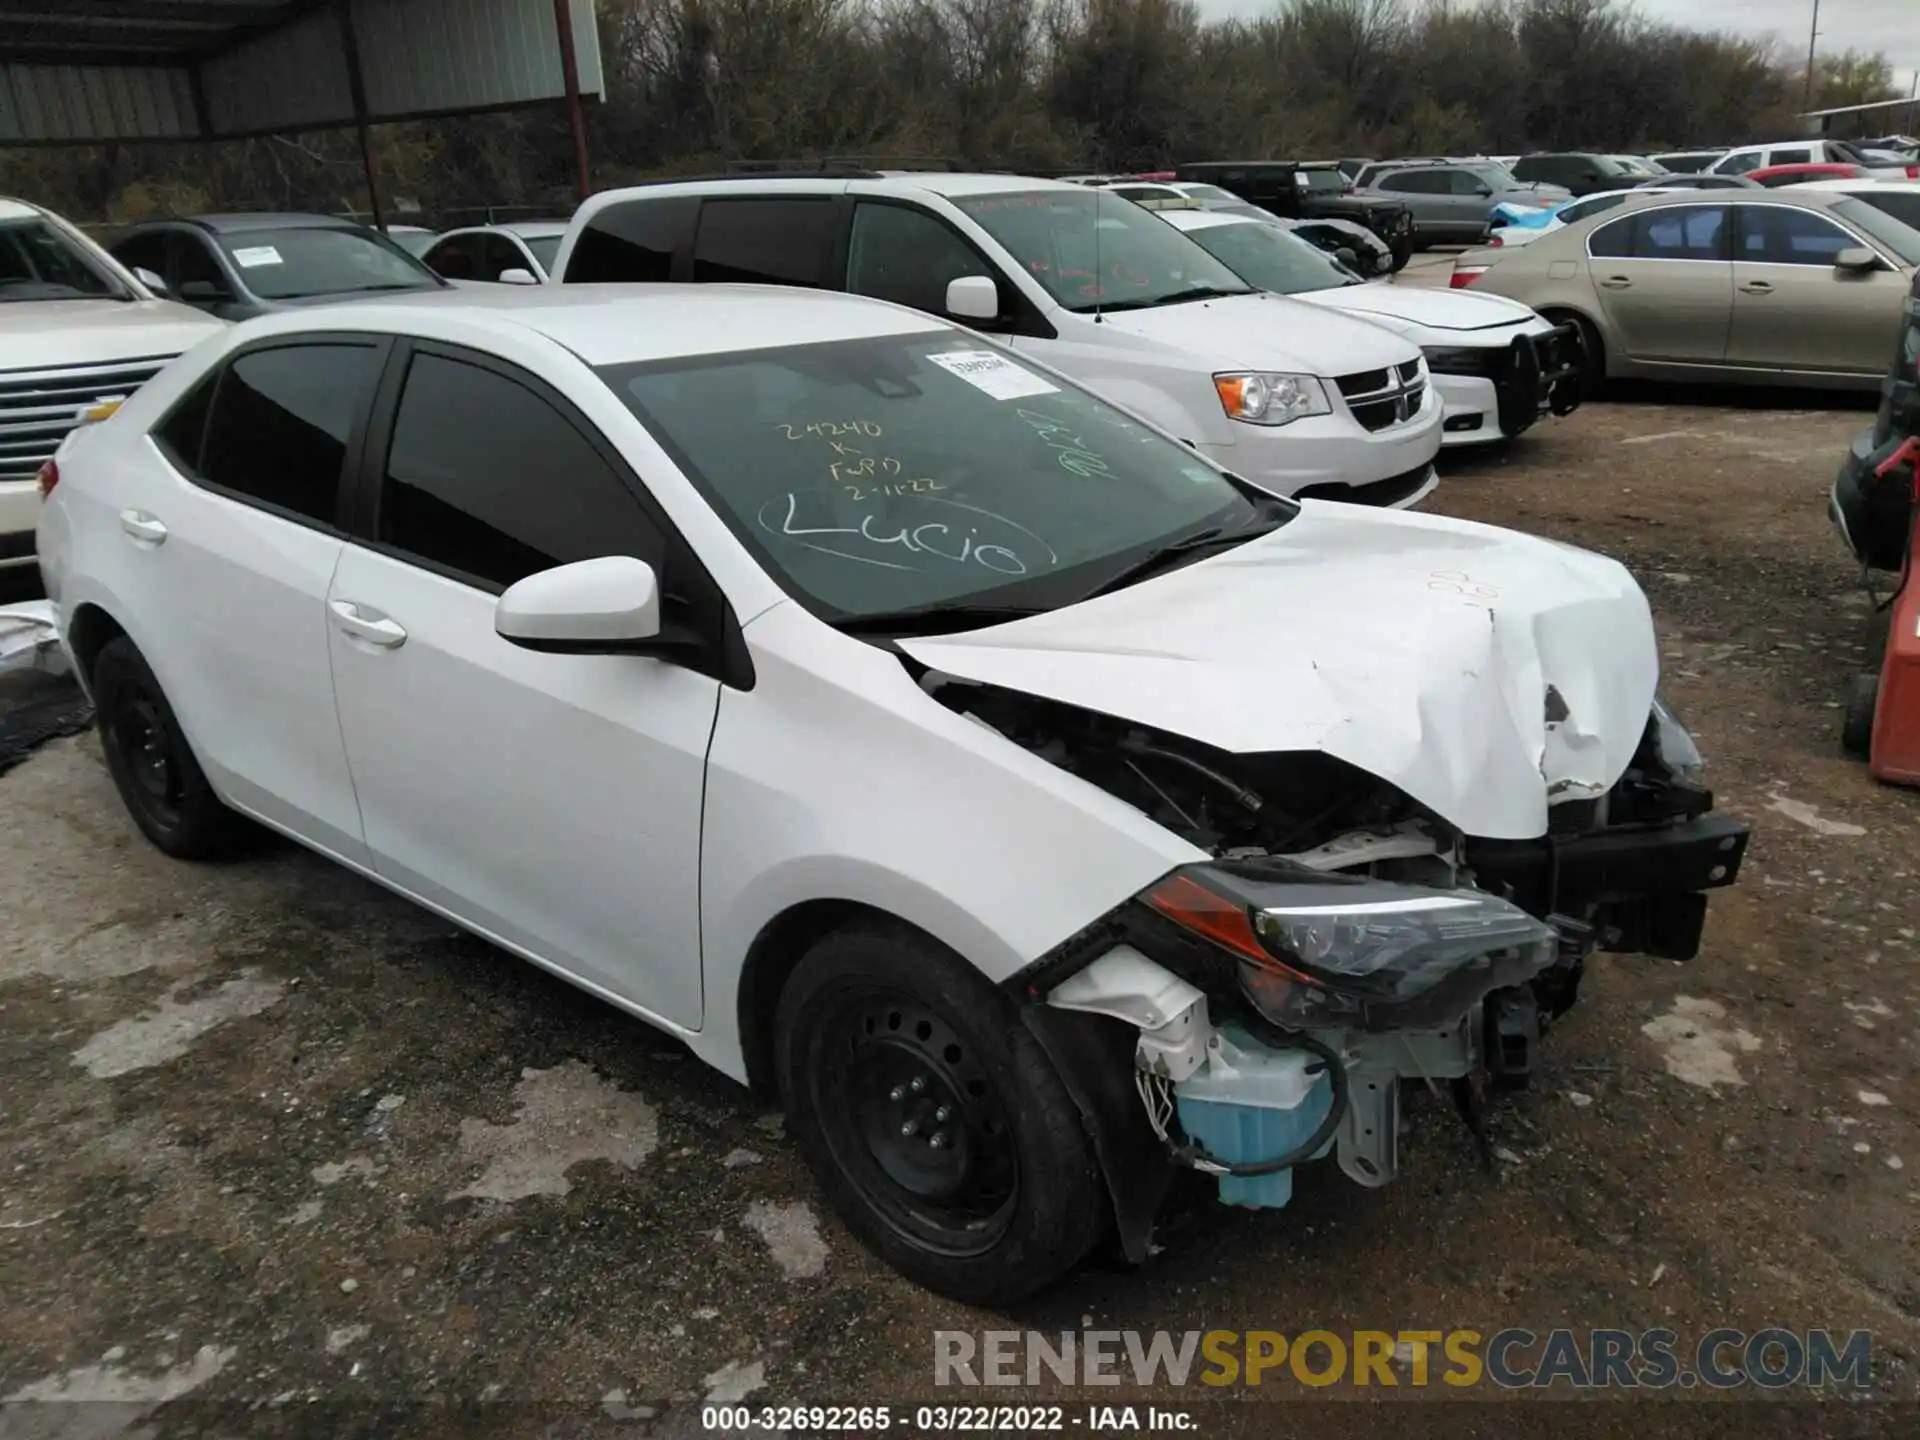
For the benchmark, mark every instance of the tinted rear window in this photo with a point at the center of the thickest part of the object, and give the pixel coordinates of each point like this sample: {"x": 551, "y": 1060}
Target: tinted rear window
{"x": 765, "y": 241}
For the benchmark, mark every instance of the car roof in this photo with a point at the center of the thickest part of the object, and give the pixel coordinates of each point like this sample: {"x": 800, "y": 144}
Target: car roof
{"x": 940, "y": 182}
{"x": 226, "y": 224}
{"x": 526, "y": 229}
{"x": 617, "y": 324}
{"x": 1203, "y": 219}
{"x": 11, "y": 209}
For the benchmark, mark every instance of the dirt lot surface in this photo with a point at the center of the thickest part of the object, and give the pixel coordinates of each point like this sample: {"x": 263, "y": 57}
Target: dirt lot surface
{"x": 280, "y": 1149}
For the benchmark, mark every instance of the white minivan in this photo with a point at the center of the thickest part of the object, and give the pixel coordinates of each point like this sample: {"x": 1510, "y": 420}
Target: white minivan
{"x": 1298, "y": 401}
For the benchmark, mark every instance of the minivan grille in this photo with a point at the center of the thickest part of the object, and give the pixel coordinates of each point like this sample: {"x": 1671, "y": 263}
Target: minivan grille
{"x": 1382, "y": 398}
{"x": 38, "y": 407}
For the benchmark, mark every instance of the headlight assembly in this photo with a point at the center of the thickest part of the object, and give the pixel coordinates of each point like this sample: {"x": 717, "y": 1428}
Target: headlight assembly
{"x": 1320, "y": 950}
{"x": 1263, "y": 398}
{"x": 1677, "y": 747}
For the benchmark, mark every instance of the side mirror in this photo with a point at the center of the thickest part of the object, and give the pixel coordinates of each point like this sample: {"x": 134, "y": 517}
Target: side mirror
{"x": 152, "y": 281}
{"x": 1856, "y": 260}
{"x": 973, "y": 297}
{"x": 1483, "y": 190}
{"x": 590, "y": 607}
{"x": 200, "y": 292}
{"x": 1347, "y": 258}
{"x": 518, "y": 275}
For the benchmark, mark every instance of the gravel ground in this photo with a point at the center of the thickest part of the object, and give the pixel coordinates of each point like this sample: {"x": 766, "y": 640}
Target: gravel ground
{"x": 281, "y": 1149}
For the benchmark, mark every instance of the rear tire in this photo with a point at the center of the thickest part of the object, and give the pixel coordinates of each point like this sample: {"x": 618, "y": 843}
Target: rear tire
{"x": 152, "y": 764}
{"x": 936, "y": 1125}
{"x": 1593, "y": 359}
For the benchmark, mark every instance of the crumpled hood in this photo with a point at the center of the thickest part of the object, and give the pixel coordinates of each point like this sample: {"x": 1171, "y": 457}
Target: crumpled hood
{"x": 1419, "y": 648}
{"x": 42, "y": 334}
{"x": 1413, "y": 308}
{"x": 1266, "y": 332}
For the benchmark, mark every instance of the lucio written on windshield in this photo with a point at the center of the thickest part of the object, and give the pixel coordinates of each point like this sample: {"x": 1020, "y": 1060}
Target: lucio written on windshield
{"x": 907, "y": 474}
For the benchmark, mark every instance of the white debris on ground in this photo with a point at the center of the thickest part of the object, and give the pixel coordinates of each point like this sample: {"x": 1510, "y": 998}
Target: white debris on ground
{"x": 119, "y": 1399}
{"x": 567, "y": 1116}
{"x": 735, "y": 1159}
{"x": 334, "y": 1172}
{"x": 792, "y": 1235}
{"x": 1873, "y": 1097}
{"x": 1809, "y": 816}
{"x": 346, "y": 1337}
{"x": 1696, "y": 1044}
{"x": 168, "y": 1030}
{"x": 733, "y": 1382}
{"x": 29, "y": 639}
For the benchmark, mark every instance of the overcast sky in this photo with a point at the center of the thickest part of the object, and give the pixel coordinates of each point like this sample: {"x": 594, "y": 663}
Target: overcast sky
{"x": 1892, "y": 26}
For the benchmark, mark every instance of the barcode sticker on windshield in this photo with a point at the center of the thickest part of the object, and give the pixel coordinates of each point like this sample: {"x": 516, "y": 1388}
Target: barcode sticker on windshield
{"x": 251, "y": 255}
{"x": 995, "y": 374}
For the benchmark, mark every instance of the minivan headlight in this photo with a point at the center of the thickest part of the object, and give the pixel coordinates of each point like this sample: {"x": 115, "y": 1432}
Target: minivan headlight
{"x": 1260, "y": 397}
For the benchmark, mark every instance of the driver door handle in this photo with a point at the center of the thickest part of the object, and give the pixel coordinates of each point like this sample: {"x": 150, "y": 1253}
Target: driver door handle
{"x": 381, "y": 631}
{"x": 139, "y": 525}
{"x": 1756, "y": 287}
{"x": 1616, "y": 282}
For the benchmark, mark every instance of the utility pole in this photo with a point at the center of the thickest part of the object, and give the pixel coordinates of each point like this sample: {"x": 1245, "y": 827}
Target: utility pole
{"x": 1813, "y": 36}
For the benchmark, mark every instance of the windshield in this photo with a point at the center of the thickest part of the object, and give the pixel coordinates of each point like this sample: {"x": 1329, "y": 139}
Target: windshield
{"x": 1094, "y": 250}
{"x": 1273, "y": 259}
{"x": 906, "y": 471}
{"x": 1902, "y": 240}
{"x": 1498, "y": 176}
{"x": 1211, "y": 192}
{"x": 1325, "y": 181}
{"x": 39, "y": 262}
{"x": 544, "y": 247}
{"x": 292, "y": 264}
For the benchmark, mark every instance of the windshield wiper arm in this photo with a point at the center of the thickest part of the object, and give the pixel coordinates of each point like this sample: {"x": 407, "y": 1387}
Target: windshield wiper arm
{"x": 1197, "y": 292}
{"x": 1165, "y": 556}
{"x": 935, "y": 619}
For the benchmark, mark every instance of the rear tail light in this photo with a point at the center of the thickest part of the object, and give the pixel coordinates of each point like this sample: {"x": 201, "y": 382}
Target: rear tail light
{"x": 1494, "y": 242}
{"x": 48, "y": 477}
{"x": 1913, "y": 172}
{"x": 1465, "y": 275}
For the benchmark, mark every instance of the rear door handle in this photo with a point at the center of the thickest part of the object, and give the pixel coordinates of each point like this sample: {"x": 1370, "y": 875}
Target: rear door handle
{"x": 374, "y": 630}
{"x": 1616, "y": 282}
{"x": 139, "y": 525}
{"x": 1756, "y": 287}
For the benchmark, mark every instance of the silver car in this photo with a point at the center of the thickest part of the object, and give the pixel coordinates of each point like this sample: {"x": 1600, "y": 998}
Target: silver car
{"x": 1453, "y": 203}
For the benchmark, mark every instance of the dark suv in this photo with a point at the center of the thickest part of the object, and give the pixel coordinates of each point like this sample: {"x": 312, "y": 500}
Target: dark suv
{"x": 1580, "y": 173}
{"x": 1301, "y": 191}
{"x": 1874, "y": 516}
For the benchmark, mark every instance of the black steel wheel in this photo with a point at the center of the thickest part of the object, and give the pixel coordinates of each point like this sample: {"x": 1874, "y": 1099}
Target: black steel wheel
{"x": 934, "y": 1121}
{"x": 151, "y": 762}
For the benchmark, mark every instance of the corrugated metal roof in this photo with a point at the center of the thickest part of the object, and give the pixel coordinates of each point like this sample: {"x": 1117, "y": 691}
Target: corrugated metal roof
{"x": 80, "y": 70}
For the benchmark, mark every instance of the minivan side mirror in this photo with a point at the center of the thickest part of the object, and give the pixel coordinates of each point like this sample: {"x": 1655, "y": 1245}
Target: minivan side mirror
{"x": 590, "y": 607}
{"x": 973, "y": 297}
{"x": 1856, "y": 260}
{"x": 152, "y": 281}
{"x": 518, "y": 275}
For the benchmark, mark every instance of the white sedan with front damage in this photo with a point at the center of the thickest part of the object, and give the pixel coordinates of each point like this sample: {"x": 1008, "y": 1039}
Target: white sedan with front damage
{"x": 1033, "y": 807}
{"x": 1497, "y": 366}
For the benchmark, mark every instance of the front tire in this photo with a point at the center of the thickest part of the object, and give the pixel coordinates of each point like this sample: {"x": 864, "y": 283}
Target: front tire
{"x": 933, "y": 1120}
{"x": 152, "y": 764}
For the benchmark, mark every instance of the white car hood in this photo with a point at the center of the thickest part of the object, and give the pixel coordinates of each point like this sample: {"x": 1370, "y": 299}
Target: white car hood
{"x": 1266, "y": 332}
{"x": 37, "y": 334}
{"x": 1411, "y": 309}
{"x": 1419, "y": 648}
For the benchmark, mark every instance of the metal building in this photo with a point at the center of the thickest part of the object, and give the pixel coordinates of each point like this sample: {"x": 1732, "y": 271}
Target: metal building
{"x": 84, "y": 71}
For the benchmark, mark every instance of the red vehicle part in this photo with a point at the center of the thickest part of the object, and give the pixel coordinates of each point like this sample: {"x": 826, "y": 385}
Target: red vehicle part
{"x": 1774, "y": 176}
{"x": 1895, "y": 752}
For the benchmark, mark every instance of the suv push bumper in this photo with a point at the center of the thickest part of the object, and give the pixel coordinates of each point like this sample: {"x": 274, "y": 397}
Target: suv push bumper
{"x": 1494, "y": 393}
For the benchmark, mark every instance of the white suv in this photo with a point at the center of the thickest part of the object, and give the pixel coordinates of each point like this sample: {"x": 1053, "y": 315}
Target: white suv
{"x": 1295, "y": 399}
{"x": 76, "y": 331}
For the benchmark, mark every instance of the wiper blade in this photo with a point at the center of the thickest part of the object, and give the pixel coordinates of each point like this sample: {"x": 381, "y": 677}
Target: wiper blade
{"x": 934, "y": 619}
{"x": 1162, "y": 559}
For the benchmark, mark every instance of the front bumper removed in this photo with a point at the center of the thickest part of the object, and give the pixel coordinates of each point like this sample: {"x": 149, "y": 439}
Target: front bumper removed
{"x": 1639, "y": 887}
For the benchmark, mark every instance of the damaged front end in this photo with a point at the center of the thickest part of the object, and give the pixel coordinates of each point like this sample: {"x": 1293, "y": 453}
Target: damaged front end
{"x": 1264, "y": 1008}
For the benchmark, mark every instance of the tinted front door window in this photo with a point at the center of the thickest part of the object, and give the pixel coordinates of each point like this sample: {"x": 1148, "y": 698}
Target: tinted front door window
{"x": 764, "y": 242}
{"x": 281, "y": 422}
{"x": 1775, "y": 235}
{"x": 907, "y": 256}
{"x": 487, "y": 479}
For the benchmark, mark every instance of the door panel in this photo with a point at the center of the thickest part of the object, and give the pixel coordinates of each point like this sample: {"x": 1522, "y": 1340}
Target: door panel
{"x": 552, "y": 800}
{"x": 1663, "y": 285}
{"x": 247, "y": 545}
{"x": 1792, "y": 310}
